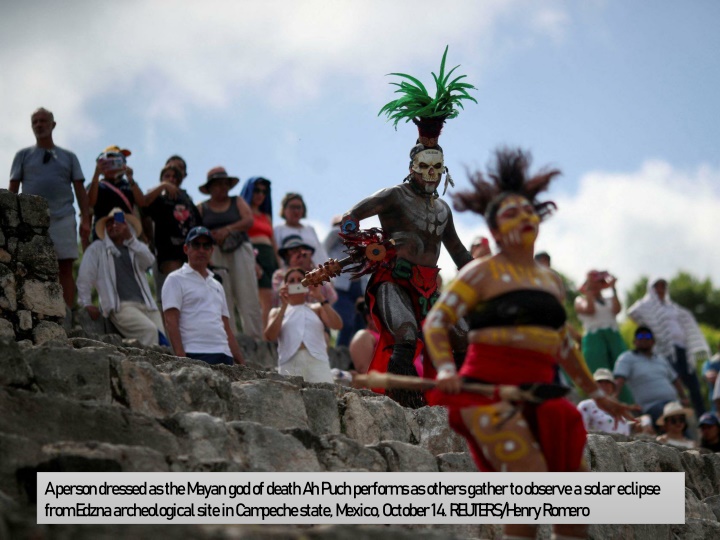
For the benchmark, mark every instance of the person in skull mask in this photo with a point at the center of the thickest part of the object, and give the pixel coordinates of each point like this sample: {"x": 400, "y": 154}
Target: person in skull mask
{"x": 403, "y": 288}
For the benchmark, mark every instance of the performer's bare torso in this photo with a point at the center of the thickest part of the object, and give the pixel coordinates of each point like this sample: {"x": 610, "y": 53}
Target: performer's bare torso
{"x": 418, "y": 223}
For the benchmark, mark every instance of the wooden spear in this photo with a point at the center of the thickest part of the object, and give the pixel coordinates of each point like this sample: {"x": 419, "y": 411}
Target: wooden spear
{"x": 534, "y": 393}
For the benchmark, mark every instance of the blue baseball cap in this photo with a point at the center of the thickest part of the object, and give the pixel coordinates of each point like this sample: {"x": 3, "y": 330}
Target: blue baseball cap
{"x": 197, "y": 232}
{"x": 708, "y": 419}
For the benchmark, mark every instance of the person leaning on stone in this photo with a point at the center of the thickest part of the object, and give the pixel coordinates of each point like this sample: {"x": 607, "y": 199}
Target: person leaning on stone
{"x": 651, "y": 379}
{"x": 53, "y": 173}
{"x": 195, "y": 309}
{"x": 116, "y": 265}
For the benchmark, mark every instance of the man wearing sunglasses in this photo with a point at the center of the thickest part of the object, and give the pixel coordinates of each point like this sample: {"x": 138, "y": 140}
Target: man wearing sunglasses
{"x": 196, "y": 312}
{"x": 53, "y": 173}
{"x": 651, "y": 379}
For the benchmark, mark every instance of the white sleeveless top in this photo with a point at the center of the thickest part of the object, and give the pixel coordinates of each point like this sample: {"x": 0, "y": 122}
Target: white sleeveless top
{"x": 602, "y": 318}
{"x": 301, "y": 325}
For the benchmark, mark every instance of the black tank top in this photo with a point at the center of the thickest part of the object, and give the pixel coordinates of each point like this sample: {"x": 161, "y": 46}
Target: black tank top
{"x": 215, "y": 220}
{"x": 519, "y": 308}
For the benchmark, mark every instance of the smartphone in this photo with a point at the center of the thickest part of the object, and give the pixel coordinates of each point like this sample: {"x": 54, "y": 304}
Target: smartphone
{"x": 119, "y": 217}
{"x": 297, "y": 288}
{"x": 112, "y": 164}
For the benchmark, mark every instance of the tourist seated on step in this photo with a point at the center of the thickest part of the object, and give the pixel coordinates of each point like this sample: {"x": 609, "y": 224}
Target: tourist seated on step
{"x": 116, "y": 265}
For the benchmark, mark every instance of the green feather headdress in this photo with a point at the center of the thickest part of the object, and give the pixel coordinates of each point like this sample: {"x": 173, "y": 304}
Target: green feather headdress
{"x": 428, "y": 114}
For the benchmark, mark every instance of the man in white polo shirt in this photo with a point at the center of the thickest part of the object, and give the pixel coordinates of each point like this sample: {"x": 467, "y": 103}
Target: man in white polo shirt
{"x": 195, "y": 309}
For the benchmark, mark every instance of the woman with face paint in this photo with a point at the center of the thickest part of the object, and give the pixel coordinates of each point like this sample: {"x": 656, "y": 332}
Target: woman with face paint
{"x": 518, "y": 335}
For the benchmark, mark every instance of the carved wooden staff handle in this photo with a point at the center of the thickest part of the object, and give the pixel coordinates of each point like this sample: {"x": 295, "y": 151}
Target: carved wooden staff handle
{"x": 374, "y": 252}
{"x": 326, "y": 271}
{"x": 533, "y": 393}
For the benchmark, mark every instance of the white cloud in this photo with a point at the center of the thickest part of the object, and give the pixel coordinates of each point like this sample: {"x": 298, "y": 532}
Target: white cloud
{"x": 165, "y": 59}
{"x": 657, "y": 220}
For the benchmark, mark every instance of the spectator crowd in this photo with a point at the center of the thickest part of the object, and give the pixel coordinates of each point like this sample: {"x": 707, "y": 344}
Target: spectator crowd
{"x": 222, "y": 266}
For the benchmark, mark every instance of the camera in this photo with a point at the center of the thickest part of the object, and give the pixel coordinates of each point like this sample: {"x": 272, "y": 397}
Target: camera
{"x": 297, "y": 288}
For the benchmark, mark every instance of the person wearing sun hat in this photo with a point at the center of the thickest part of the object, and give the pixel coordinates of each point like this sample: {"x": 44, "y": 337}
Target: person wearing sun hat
{"x": 117, "y": 187}
{"x": 596, "y": 419}
{"x": 229, "y": 218}
{"x": 674, "y": 421}
{"x": 116, "y": 264}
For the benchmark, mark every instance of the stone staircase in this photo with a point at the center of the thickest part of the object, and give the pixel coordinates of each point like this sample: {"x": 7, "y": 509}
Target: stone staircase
{"x": 82, "y": 404}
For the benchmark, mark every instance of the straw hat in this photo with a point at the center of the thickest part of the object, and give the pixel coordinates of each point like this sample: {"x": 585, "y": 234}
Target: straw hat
{"x": 217, "y": 173}
{"x": 674, "y": 408}
{"x": 130, "y": 219}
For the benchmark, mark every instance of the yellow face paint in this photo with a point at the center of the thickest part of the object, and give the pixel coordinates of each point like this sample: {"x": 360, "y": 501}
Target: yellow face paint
{"x": 517, "y": 221}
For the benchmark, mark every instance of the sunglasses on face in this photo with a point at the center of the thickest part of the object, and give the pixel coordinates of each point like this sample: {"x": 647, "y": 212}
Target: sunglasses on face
{"x": 644, "y": 335}
{"x": 675, "y": 420}
{"x": 260, "y": 190}
{"x": 207, "y": 246}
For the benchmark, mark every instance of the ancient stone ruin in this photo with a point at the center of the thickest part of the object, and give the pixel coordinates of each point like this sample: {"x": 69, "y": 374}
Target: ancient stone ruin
{"x": 93, "y": 402}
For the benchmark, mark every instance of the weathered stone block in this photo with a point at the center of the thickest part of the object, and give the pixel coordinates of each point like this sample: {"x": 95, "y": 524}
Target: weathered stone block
{"x": 18, "y": 452}
{"x": 9, "y": 211}
{"x": 696, "y": 529}
{"x": 266, "y": 449}
{"x": 456, "y": 462}
{"x": 641, "y": 456}
{"x": 43, "y": 297}
{"x": 602, "y": 454}
{"x": 141, "y": 387}
{"x": 714, "y": 504}
{"x": 6, "y": 329}
{"x": 57, "y": 418}
{"x": 431, "y": 429}
{"x": 24, "y": 319}
{"x": 694, "y": 509}
{"x": 274, "y": 403}
{"x": 322, "y": 410}
{"x": 204, "y": 437}
{"x": 122, "y": 457}
{"x": 8, "y": 294}
{"x": 34, "y": 210}
{"x": 78, "y": 374}
{"x": 340, "y": 453}
{"x": 14, "y": 370}
{"x": 202, "y": 389}
{"x": 406, "y": 457}
{"x": 38, "y": 255}
{"x": 47, "y": 331}
{"x": 370, "y": 420}
{"x": 696, "y": 475}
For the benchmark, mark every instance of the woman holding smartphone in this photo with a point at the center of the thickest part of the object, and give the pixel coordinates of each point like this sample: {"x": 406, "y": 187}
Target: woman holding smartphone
{"x": 298, "y": 327}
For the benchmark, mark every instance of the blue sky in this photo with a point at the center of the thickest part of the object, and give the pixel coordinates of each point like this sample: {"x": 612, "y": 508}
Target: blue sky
{"x": 622, "y": 96}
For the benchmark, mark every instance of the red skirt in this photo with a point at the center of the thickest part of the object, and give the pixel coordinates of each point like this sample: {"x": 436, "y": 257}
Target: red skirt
{"x": 555, "y": 423}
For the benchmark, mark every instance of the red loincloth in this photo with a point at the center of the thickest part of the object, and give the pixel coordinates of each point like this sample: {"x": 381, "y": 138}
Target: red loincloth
{"x": 556, "y": 423}
{"x": 420, "y": 282}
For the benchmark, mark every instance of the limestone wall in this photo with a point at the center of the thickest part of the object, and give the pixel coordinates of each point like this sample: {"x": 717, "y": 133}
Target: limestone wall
{"x": 31, "y": 300}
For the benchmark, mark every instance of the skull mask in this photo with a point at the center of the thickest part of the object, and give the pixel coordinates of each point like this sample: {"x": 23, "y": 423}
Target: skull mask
{"x": 428, "y": 166}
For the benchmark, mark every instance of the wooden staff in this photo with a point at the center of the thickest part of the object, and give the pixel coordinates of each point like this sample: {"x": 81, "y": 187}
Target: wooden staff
{"x": 534, "y": 393}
